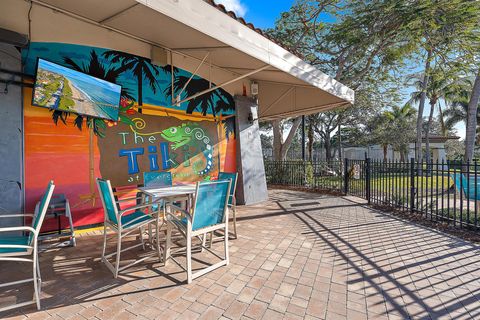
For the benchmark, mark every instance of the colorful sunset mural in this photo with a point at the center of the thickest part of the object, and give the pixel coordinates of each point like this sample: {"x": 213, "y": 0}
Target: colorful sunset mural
{"x": 194, "y": 140}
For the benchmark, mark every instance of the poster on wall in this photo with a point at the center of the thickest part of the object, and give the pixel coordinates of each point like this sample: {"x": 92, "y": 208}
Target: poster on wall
{"x": 194, "y": 141}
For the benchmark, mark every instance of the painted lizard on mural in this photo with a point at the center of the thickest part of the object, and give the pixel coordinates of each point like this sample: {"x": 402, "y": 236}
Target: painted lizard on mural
{"x": 192, "y": 136}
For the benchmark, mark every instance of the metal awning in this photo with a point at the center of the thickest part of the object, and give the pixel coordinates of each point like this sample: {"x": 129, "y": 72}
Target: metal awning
{"x": 288, "y": 86}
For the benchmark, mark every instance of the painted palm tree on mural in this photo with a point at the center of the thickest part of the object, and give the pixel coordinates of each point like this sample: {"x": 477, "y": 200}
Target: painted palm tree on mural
{"x": 216, "y": 102}
{"x": 141, "y": 67}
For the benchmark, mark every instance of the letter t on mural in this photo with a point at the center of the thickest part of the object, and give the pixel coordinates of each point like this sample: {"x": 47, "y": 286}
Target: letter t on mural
{"x": 132, "y": 158}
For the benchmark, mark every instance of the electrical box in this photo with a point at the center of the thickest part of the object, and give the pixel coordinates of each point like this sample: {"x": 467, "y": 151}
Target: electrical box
{"x": 159, "y": 56}
{"x": 254, "y": 89}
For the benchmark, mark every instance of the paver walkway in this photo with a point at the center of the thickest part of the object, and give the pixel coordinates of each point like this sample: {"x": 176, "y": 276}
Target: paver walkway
{"x": 299, "y": 255}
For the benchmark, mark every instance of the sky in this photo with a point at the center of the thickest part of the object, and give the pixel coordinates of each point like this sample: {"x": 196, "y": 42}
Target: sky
{"x": 263, "y": 13}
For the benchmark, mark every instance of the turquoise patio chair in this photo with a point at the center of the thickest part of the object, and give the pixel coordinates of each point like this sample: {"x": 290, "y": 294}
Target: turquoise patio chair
{"x": 208, "y": 214}
{"x": 23, "y": 247}
{"x": 123, "y": 223}
{"x": 470, "y": 189}
{"x": 232, "y": 202}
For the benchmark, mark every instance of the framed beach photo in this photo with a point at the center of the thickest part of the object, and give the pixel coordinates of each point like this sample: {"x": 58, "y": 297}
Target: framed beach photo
{"x": 59, "y": 88}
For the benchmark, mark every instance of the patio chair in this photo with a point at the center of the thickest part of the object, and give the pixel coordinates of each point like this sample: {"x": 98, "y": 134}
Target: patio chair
{"x": 24, "y": 247}
{"x": 232, "y": 202}
{"x": 470, "y": 189}
{"x": 208, "y": 214}
{"x": 124, "y": 224}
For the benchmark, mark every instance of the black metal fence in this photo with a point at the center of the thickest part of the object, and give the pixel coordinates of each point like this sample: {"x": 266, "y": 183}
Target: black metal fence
{"x": 316, "y": 175}
{"x": 440, "y": 191}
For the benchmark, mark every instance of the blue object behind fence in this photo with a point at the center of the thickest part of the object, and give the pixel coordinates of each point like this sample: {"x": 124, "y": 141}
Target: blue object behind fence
{"x": 469, "y": 187}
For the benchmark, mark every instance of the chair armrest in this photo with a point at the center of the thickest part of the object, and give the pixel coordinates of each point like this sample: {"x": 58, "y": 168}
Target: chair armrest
{"x": 186, "y": 213}
{"x": 23, "y": 228}
{"x": 140, "y": 206}
{"x": 16, "y": 215}
{"x": 128, "y": 199}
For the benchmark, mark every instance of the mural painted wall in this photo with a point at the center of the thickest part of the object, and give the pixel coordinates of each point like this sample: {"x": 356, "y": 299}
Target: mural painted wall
{"x": 194, "y": 140}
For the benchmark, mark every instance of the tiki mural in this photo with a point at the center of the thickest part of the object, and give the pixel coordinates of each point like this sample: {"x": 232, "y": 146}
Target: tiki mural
{"x": 194, "y": 140}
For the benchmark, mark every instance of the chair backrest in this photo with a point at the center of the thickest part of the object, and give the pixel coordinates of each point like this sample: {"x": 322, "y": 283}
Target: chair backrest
{"x": 108, "y": 200}
{"x": 211, "y": 200}
{"x": 157, "y": 179}
{"x": 469, "y": 187}
{"x": 39, "y": 216}
{"x": 229, "y": 176}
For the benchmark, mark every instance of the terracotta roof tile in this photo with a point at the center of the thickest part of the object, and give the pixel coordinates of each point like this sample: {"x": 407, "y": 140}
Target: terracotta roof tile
{"x": 232, "y": 15}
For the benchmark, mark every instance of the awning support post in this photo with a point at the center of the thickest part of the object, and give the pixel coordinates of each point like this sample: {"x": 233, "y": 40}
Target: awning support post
{"x": 304, "y": 154}
{"x": 246, "y": 75}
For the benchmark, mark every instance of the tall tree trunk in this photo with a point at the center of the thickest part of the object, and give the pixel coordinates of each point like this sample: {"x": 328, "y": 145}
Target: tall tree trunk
{"x": 471, "y": 127}
{"x": 328, "y": 149}
{"x": 288, "y": 141}
{"x": 280, "y": 147}
{"x": 427, "y": 130}
{"x": 421, "y": 105}
{"x": 277, "y": 139}
{"x": 442, "y": 120}
{"x": 385, "y": 152}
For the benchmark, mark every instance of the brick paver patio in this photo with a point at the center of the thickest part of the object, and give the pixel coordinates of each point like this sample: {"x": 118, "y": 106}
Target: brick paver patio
{"x": 300, "y": 255}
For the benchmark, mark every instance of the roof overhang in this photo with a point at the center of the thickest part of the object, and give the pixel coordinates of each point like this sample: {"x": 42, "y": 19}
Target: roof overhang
{"x": 288, "y": 86}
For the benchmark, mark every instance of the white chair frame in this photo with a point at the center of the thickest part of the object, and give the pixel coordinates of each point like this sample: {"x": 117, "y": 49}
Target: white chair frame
{"x": 124, "y": 230}
{"x": 30, "y": 255}
{"x": 187, "y": 232}
{"x": 233, "y": 207}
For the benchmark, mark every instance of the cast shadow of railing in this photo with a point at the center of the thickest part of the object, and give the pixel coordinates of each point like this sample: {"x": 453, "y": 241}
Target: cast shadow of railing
{"x": 397, "y": 272}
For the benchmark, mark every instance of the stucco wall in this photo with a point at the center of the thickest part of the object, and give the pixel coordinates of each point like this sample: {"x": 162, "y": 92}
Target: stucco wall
{"x": 11, "y": 156}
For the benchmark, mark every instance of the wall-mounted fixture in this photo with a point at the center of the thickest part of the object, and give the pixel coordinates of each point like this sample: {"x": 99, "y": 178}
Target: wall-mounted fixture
{"x": 13, "y": 38}
{"x": 250, "y": 118}
{"x": 254, "y": 89}
{"x": 159, "y": 56}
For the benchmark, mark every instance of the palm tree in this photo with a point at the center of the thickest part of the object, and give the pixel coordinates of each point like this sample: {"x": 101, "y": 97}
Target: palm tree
{"x": 141, "y": 67}
{"x": 397, "y": 119}
{"x": 439, "y": 86}
{"x": 472, "y": 112}
{"x": 457, "y": 110}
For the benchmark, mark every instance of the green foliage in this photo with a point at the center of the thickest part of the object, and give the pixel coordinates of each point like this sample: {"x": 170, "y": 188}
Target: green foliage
{"x": 309, "y": 175}
{"x": 370, "y": 45}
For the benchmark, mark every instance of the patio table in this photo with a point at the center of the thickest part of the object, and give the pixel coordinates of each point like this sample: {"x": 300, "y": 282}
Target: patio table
{"x": 170, "y": 193}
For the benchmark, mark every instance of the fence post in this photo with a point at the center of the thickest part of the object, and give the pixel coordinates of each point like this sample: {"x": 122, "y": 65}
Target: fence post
{"x": 345, "y": 176}
{"x": 412, "y": 184}
{"x": 367, "y": 179}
